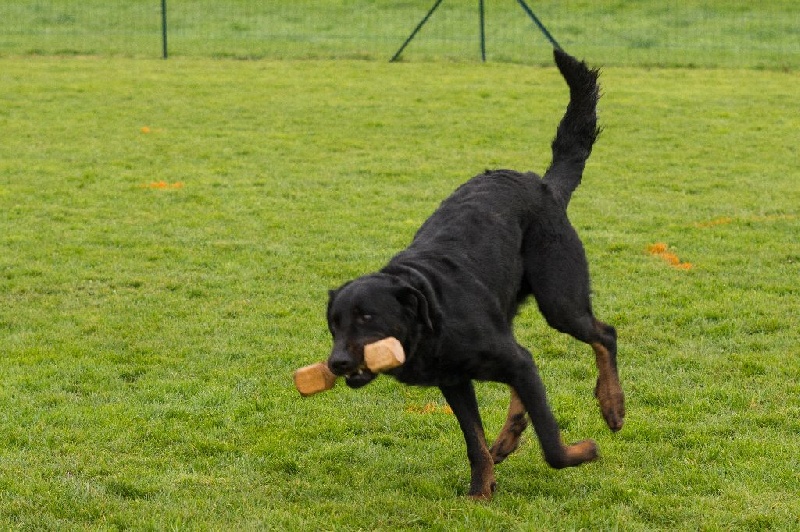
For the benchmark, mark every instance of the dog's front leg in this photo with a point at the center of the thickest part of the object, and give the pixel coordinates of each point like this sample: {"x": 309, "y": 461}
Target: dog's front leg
{"x": 461, "y": 398}
{"x": 530, "y": 389}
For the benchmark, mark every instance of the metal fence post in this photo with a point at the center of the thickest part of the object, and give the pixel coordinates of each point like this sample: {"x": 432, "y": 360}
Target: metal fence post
{"x": 164, "y": 29}
{"x": 483, "y": 30}
{"x": 416, "y": 30}
{"x": 538, "y": 23}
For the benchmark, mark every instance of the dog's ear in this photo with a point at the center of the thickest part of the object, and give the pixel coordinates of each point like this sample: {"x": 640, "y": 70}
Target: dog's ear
{"x": 416, "y": 300}
{"x": 333, "y": 293}
{"x": 331, "y": 298}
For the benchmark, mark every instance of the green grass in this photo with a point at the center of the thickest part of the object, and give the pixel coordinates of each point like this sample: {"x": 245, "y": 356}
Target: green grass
{"x": 148, "y": 335}
{"x": 704, "y": 33}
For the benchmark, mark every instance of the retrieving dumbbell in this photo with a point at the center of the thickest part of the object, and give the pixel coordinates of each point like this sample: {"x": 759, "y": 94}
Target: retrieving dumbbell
{"x": 379, "y": 356}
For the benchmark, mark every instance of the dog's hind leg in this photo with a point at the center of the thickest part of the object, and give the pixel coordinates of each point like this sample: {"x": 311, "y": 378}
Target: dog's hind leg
{"x": 559, "y": 279}
{"x": 530, "y": 389}
{"x": 608, "y": 390}
{"x": 508, "y": 439}
{"x": 461, "y": 398}
{"x": 603, "y": 339}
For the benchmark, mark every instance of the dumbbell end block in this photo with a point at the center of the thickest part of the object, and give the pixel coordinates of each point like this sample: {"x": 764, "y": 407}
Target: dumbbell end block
{"x": 314, "y": 379}
{"x": 384, "y": 355}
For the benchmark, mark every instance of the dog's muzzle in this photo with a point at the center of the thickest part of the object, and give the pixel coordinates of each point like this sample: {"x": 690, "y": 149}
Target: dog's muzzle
{"x": 355, "y": 373}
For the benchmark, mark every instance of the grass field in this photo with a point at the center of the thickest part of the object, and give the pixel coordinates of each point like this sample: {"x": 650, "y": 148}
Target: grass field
{"x": 707, "y": 33}
{"x": 168, "y": 231}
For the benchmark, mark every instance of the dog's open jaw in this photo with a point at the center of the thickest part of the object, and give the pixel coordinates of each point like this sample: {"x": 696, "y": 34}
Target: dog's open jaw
{"x": 361, "y": 377}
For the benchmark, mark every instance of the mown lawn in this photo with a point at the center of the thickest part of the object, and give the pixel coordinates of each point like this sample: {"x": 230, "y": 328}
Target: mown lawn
{"x": 169, "y": 230}
{"x": 707, "y": 33}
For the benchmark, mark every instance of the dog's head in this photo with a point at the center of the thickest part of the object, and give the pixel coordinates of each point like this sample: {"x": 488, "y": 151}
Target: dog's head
{"x": 369, "y": 309}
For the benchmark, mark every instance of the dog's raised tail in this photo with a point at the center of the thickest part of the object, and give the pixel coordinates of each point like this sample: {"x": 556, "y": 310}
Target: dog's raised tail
{"x": 578, "y": 128}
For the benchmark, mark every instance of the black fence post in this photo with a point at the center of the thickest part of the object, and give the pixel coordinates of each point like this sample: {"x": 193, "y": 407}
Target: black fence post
{"x": 483, "y": 31}
{"x": 164, "y": 29}
{"x": 416, "y": 30}
{"x": 538, "y": 23}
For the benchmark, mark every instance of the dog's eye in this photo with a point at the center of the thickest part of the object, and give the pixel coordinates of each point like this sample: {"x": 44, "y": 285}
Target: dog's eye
{"x": 364, "y": 318}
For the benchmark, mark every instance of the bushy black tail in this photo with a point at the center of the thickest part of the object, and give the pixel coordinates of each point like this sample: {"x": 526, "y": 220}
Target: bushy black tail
{"x": 578, "y": 128}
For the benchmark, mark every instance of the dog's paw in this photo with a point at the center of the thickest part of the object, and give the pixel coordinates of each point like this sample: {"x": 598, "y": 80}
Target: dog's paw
{"x": 612, "y": 404}
{"x": 501, "y": 449}
{"x": 583, "y": 451}
{"x": 485, "y": 493}
{"x": 508, "y": 440}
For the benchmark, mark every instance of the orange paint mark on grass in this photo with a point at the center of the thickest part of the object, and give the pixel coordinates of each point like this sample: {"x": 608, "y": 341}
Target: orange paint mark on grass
{"x": 659, "y": 249}
{"x": 429, "y": 408}
{"x": 726, "y": 220}
{"x": 163, "y": 185}
{"x": 722, "y": 220}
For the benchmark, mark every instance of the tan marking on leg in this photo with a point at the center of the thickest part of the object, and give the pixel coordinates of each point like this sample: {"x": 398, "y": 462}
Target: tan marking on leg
{"x": 482, "y": 482}
{"x": 583, "y": 451}
{"x": 508, "y": 439}
{"x": 608, "y": 390}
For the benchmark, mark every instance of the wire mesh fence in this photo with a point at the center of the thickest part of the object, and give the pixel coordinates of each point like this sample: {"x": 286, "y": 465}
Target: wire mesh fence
{"x": 727, "y": 33}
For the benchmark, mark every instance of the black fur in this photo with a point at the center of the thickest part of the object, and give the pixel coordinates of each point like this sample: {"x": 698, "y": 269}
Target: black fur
{"x": 451, "y": 296}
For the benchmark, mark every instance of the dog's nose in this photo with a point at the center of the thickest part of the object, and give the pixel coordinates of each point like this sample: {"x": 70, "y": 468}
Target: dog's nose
{"x": 341, "y": 363}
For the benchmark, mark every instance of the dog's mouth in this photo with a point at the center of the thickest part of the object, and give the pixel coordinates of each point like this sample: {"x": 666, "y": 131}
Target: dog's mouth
{"x": 361, "y": 377}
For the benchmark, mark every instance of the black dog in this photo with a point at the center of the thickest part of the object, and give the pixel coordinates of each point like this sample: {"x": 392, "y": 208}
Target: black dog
{"x": 451, "y": 296}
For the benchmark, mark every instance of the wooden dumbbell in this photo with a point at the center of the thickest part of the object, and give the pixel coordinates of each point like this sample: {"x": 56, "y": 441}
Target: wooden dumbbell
{"x": 379, "y": 356}
{"x": 314, "y": 379}
{"x": 384, "y": 355}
